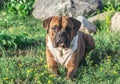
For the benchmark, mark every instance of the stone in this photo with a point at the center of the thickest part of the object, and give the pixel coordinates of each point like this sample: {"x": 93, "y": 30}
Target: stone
{"x": 86, "y": 26}
{"x": 115, "y": 22}
{"x": 99, "y": 17}
{"x": 73, "y": 8}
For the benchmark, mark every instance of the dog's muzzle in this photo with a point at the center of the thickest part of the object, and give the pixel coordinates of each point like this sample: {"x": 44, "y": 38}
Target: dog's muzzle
{"x": 61, "y": 40}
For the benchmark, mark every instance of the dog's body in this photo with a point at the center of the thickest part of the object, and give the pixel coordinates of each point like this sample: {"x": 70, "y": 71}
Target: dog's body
{"x": 65, "y": 44}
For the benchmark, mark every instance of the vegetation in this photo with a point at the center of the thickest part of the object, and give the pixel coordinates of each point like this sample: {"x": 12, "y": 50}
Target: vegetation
{"x": 22, "y": 53}
{"x": 20, "y": 7}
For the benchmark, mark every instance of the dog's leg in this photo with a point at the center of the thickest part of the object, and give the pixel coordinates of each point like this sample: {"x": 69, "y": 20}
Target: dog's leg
{"x": 89, "y": 42}
{"x": 52, "y": 64}
{"x": 71, "y": 72}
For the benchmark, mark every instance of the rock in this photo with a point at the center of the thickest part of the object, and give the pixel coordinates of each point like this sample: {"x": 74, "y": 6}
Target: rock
{"x": 86, "y": 26}
{"x": 115, "y": 22}
{"x": 99, "y": 17}
{"x": 44, "y": 9}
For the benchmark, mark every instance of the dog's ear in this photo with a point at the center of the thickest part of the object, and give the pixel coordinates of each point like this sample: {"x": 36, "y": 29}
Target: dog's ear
{"x": 76, "y": 23}
{"x": 46, "y": 23}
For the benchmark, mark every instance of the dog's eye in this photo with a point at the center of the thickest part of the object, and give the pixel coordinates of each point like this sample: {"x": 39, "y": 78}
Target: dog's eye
{"x": 54, "y": 28}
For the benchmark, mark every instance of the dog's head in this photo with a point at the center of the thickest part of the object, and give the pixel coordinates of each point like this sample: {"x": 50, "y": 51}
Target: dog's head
{"x": 61, "y": 30}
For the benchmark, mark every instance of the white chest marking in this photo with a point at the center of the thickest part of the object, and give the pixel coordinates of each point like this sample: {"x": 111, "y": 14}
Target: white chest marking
{"x": 63, "y": 56}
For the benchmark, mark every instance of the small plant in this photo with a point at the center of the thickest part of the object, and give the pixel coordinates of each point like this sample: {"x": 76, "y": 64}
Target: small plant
{"x": 21, "y": 7}
{"x": 2, "y": 4}
{"x": 7, "y": 41}
{"x": 112, "y": 5}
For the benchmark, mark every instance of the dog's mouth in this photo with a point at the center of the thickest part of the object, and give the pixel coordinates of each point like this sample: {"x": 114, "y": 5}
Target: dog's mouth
{"x": 61, "y": 40}
{"x": 61, "y": 44}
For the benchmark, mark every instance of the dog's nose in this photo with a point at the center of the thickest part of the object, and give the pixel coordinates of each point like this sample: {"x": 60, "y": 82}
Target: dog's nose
{"x": 60, "y": 41}
{"x": 62, "y": 34}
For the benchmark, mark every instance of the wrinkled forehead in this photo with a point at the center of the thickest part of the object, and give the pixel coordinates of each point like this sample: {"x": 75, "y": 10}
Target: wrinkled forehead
{"x": 61, "y": 22}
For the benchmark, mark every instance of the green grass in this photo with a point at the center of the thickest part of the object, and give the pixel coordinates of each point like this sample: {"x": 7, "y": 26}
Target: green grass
{"x": 22, "y": 51}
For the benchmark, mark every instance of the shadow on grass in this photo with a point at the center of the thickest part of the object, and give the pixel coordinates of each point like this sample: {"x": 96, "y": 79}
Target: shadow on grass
{"x": 23, "y": 47}
{"x": 103, "y": 50}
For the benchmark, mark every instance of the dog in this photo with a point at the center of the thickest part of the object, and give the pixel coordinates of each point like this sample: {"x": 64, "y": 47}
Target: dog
{"x": 65, "y": 44}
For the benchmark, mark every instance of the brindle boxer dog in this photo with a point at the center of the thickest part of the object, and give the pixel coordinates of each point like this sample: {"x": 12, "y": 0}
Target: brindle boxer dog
{"x": 65, "y": 44}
